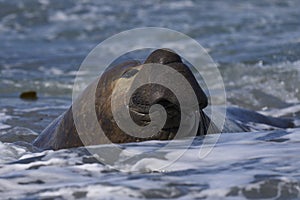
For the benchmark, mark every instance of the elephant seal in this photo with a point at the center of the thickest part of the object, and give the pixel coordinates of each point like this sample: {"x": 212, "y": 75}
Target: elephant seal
{"x": 62, "y": 132}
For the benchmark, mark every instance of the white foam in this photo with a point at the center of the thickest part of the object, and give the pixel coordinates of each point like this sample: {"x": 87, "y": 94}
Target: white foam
{"x": 41, "y": 108}
{"x": 282, "y": 111}
{"x": 10, "y": 152}
{"x": 55, "y": 71}
{"x": 3, "y": 119}
{"x": 233, "y": 163}
{"x": 59, "y": 16}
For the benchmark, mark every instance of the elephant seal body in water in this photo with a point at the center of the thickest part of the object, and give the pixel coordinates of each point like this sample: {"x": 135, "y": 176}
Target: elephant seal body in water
{"x": 62, "y": 132}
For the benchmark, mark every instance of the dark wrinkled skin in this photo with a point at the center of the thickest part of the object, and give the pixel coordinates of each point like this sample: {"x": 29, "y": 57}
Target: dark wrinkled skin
{"x": 62, "y": 133}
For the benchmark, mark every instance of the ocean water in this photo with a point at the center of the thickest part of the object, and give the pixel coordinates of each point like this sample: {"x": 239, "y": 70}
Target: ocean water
{"x": 256, "y": 45}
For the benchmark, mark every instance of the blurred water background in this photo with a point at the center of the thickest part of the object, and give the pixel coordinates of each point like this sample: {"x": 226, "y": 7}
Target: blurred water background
{"x": 256, "y": 45}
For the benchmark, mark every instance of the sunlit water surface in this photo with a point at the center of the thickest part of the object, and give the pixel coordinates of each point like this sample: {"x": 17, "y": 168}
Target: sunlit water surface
{"x": 256, "y": 45}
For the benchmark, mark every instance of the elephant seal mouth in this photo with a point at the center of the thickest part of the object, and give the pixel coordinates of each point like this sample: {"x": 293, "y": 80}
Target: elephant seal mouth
{"x": 141, "y": 116}
{"x": 193, "y": 125}
{"x": 168, "y": 132}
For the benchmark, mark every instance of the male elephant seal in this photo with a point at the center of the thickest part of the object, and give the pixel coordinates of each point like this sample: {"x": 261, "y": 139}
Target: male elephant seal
{"x": 62, "y": 132}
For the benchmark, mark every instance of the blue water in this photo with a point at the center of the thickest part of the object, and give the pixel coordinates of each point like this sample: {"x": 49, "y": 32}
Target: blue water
{"x": 256, "y": 45}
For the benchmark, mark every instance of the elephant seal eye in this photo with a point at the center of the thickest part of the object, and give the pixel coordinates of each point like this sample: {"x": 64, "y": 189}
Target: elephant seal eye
{"x": 130, "y": 73}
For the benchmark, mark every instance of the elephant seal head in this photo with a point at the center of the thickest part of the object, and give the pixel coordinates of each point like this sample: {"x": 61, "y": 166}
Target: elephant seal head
{"x": 144, "y": 97}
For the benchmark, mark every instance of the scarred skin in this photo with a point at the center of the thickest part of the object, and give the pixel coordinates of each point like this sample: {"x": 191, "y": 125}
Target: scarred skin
{"x": 62, "y": 132}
